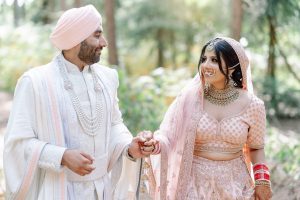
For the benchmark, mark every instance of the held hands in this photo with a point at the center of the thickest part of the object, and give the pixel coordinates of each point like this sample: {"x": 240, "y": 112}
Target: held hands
{"x": 143, "y": 145}
{"x": 78, "y": 161}
{"x": 151, "y": 145}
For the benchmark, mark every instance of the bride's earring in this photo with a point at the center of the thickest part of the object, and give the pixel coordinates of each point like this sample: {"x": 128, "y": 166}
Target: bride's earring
{"x": 231, "y": 82}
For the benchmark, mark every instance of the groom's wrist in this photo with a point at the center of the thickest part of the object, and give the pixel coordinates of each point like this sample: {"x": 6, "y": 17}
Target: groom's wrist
{"x": 128, "y": 154}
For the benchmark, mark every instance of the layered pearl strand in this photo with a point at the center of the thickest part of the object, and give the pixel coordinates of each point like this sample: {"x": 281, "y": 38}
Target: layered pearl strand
{"x": 90, "y": 125}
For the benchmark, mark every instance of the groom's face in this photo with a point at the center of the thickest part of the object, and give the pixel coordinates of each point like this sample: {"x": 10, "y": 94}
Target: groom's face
{"x": 90, "y": 48}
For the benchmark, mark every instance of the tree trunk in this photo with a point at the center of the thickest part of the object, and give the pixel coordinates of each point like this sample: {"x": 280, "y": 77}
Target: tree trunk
{"x": 52, "y": 6}
{"x": 2, "y": 12}
{"x": 16, "y": 14}
{"x": 160, "y": 48}
{"x": 22, "y": 10}
{"x": 237, "y": 18}
{"x": 271, "y": 70}
{"x": 46, "y": 18}
{"x": 63, "y": 5}
{"x": 109, "y": 6}
{"x": 77, "y": 3}
{"x": 189, "y": 42}
{"x": 174, "y": 49}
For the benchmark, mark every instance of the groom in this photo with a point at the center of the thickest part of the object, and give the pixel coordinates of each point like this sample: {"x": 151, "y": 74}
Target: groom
{"x": 65, "y": 137}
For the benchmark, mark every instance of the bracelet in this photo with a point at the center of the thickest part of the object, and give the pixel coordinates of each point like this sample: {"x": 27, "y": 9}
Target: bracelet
{"x": 261, "y": 172}
{"x": 263, "y": 176}
{"x": 262, "y": 182}
{"x": 260, "y": 166}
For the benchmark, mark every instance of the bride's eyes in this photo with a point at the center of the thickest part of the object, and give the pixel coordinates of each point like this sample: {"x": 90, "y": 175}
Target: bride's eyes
{"x": 213, "y": 60}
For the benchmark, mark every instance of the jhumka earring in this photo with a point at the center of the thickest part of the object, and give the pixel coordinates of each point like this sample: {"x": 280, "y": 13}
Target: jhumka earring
{"x": 231, "y": 82}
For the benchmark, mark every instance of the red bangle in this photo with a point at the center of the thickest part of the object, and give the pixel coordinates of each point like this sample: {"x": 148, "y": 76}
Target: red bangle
{"x": 260, "y": 166}
{"x": 261, "y": 176}
{"x": 261, "y": 172}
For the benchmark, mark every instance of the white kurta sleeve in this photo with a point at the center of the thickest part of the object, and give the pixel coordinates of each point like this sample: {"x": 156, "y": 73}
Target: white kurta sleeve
{"x": 117, "y": 120}
{"x": 125, "y": 173}
{"x": 51, "y": 157}
{"x": 23, "y": 119}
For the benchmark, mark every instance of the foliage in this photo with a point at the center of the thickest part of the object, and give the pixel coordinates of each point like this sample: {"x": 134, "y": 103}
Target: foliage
{"x": 286, "y": 103}
{"x": 144, "y": 100}
{"x": 285, "y": 14}
{"x": 141, "y": 107}
{"x": 167, "y": 31}
{"x": 283, "y": 152}
{"x": 20, "y": 49}
{"x": 281, "y": 95}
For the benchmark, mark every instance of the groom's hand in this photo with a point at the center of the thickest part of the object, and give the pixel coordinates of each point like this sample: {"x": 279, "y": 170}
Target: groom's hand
{"x": 78, "y": 161}
{"x": 134, "y": 149}
{"x": 150, "y": 145}
{"x": 142, "y": 145}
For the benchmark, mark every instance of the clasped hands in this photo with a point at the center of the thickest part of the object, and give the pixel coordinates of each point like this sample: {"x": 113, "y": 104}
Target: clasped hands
{"x": 143, "y": 145}
{"x": 81, "y": 162}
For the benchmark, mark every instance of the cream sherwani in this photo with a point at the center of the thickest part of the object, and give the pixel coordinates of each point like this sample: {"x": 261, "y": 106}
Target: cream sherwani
{"x": 43, "y": 123}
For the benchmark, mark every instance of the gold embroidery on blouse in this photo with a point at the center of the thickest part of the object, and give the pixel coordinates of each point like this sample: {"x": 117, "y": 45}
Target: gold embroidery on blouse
{"x": 217, "y": 149}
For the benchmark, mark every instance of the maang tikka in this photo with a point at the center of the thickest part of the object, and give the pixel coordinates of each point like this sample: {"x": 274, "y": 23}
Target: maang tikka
{"x": 211, "y": 45}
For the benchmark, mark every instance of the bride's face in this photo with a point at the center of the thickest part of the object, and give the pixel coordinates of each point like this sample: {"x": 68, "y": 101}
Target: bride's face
{"x": 210, "y": 70}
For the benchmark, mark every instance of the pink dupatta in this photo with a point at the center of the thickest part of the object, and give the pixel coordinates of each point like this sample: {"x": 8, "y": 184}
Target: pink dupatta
{"x": 177, "y": 136}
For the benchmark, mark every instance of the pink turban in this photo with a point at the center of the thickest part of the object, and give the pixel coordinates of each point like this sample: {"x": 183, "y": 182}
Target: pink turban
{"x": 74, "y": 26}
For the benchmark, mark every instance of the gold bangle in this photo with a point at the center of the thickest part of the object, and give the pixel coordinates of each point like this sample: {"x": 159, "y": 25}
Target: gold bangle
{"x": 263, "y": 182}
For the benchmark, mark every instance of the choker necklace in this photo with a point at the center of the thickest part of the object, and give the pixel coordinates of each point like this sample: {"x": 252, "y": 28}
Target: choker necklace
{"x": 90, "y": 125}
{"x": 221, "y": 97}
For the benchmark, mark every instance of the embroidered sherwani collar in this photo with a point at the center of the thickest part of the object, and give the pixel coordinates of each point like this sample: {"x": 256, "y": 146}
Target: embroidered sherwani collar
{"x": 73, "y": 69}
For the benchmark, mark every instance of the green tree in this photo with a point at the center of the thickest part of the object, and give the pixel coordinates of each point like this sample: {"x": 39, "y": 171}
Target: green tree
{"x": 156, "y": 21}
{"x": 270, "y": 16}
{"x": 274, "y": 21}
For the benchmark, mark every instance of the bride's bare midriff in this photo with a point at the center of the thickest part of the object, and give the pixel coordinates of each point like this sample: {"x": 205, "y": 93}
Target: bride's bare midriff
{"x": 218, "y": 156}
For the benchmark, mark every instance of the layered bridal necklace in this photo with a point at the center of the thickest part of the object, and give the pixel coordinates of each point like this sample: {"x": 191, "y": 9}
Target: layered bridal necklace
{"x": 221, "y": 97}
{"x": 91, "y": 124}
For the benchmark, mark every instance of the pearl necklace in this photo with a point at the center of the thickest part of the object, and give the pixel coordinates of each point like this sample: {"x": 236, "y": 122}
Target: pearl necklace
{"x": 221, "y": 97}
{"x": 90, "y": 125}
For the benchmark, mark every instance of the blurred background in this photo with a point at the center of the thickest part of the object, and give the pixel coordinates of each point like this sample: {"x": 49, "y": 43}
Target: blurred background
{"x": 155, "y": 46}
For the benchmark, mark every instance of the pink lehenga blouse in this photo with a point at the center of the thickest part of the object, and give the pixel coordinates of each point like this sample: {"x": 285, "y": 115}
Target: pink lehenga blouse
{"x": 226, "y": 179}
{"x": 187, "y": 128}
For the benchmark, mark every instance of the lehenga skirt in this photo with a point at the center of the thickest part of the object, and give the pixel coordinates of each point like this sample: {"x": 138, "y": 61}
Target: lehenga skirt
{"x": 219, "y": 180}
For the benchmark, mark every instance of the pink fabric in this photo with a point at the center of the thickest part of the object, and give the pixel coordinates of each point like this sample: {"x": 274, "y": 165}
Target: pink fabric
{"x": 226, "y": 180}
{"x": 231, "y": 133}
{"x": 177, "y": 136}
{"x": 74, "y": 26}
